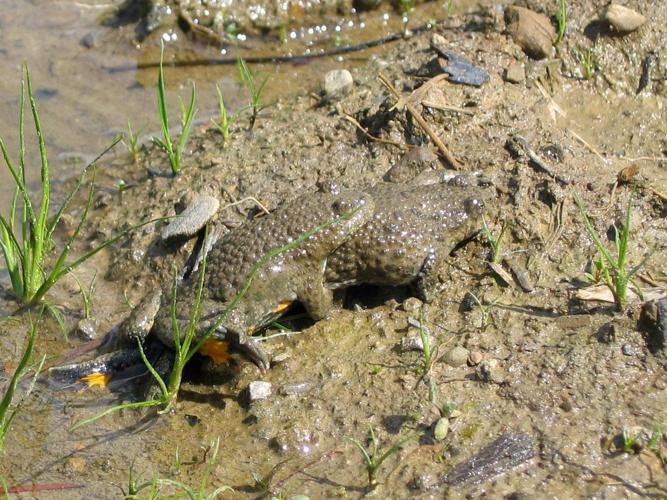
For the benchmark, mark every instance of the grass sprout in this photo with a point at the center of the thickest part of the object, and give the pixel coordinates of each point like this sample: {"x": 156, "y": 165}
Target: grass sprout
{"x": 26, "y": 234}
{"x": 168, "y": 144}
{"x": 587, "y": 61}
{"x": 495, "y": 242}
{"x": 226, "y": 120}
{"x": 561, "y": 20}
{"x": 188, "y": 344}
{"x": 484, "y": 308}
{"x": 153, "y": 488}
{"x": 612, "y": 267}
{"x": 248, "y": 79}
{"x": 429, "y": 353}
{"x": 86, "y": 295}
{"x": 654, "y": 444}
{"x": 373, "y": 460}
{"x": 8, "y": 406}
{"x": 132, "y": 143}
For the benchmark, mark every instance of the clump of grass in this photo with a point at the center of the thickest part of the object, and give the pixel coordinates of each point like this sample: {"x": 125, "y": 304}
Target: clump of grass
{"x": 485, "y": 308}
{"x": 8, "y": 407}
{"x": 561, "y": 20}
{"x": 187, "y": 345}
{"x": 495, "y": 242}
{"x": 226, "y": 120}
{"x": 86, "y": 295}
{"x": 168, "y": 144}
{"x": 654, "y": 444}
{"x": 132, "y": 143}
{"x": 248, "y": 79}
{"x": 587, "y": 61}
{"x": 26, "y": 235}
{"x": 429, "y": 353}
{"x": 613, "y": 268}
{"x": 156, "y": 485}
{"x": 373, "y": 460}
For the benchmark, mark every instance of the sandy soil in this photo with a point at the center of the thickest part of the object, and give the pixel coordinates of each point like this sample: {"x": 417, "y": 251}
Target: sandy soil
{"x": 570, "y": 374}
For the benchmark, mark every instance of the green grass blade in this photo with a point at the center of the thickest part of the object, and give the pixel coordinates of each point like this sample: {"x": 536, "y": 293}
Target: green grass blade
{"x": 54, "y": 277}
{"x": 113, "y": 409}
{"x": 186, "y": 121}
{"x": 594, "y": 234}
{"x": 12, "y": 255}
{"x": 152, "y": 370}
{"x": 79, "y": 183}
{"x": 39, "y": 232}
{"x": 6, "y": 415}
{"x": 162, "y": 102}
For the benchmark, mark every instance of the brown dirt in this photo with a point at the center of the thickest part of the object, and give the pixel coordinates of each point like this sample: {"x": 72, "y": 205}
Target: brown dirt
{"x": 571, "y": 374}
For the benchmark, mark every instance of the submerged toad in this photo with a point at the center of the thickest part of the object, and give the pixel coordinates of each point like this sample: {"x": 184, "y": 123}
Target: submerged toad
{"x": 390, "y": 234}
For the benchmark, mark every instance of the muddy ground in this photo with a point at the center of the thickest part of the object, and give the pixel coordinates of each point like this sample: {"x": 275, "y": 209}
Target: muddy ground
{"x": 571, "y": 374}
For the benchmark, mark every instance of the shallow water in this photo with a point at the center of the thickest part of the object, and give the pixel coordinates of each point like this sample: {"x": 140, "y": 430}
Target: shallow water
{"x": 84, "y": 103}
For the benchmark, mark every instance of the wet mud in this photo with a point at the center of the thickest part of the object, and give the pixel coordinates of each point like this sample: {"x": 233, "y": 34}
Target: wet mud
{"x": 536, "y": 383}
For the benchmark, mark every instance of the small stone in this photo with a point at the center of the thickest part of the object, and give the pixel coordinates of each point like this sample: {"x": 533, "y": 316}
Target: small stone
{"x": 490, "y": 370}
{"x": 623, "y": 19}
{"x": 514, "y": 73}
{"x": 90, "y": 40}
{"x": 457, "y": 356}
{"x": 475, "y": 358}
{"x": 87, "y": 328}
{"x": 337, "y": 83}
{"x": 441, "y": 429}
{"x": 412, "y": 343}
{"x": 628, "y": 350}
{"x": 191, "y": 220}
{"x": 258, "y": 390}
{"x": 531, "y": 31}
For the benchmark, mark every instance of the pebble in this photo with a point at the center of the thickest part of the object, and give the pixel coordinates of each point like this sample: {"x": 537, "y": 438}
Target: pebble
{"x": 90, "y": 39}
{"x": 337, "y": 83}
{"x": 258, "y": 390}
{"x": 87, "y": 328}
{"x": 191, "y": 220}
{"x": 412, "y": 343}
{"x": 456, "y": 356}
{"x": 531, "y": 31}
{"x": 623, "y": 19}
{"x": 628, "y": 350}
{"x": 514, "y": 73}
{"x": 441, "y": 429}
{"x": 475, "y": 358}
